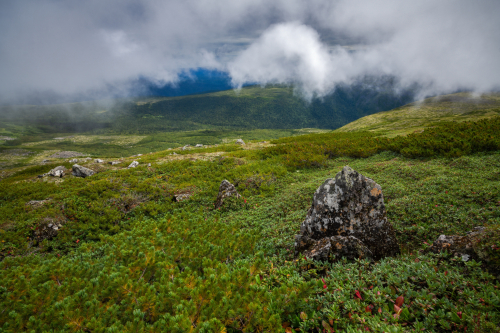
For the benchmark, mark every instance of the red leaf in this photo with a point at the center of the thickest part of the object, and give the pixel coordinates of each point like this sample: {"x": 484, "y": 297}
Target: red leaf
{"x": 368, "y": 309}
{"x": 445, "y": 273}
{"x": 400, "y": 300}
{"x": 397, "y": 309}
{"x": 379, "y": 310}
{"x": 358, "y": 295}
{"x": 459, "y": 313}
{"x": 323, "y": 281}
{"x": 324, "y": 286}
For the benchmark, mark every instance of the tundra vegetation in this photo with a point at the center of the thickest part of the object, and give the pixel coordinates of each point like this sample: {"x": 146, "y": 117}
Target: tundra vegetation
{"x": 128, "y": 257}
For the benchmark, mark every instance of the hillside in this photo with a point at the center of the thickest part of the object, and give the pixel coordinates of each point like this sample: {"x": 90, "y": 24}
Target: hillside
{"x": 415, "y": 116}
{"x": 127, "y": 256}
{"x": 273, "y": 107}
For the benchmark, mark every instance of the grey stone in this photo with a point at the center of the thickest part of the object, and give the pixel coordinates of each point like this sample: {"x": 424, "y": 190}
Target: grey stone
{"x": 80, "y": 171}
{"x": 226, "y": 189}
{"x": 75, "y": 160}
{"x": 199, "y": 145}
{"x": 98, "y": 160}
{"x": 181, "y": 197}
{"x": 240, "y": 142}
{"x": 349, "y": 205}
{"x": 133, "y": 164}
{"x": 186, "y": 147}
{"x": 57, "y": 172}
{"x": 114, "y": 162}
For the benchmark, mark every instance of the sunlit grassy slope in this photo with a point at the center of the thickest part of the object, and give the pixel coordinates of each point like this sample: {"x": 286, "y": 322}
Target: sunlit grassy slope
{"x": 415, "y": 116}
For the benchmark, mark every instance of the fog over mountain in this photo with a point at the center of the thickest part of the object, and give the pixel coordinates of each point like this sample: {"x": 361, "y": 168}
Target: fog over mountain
{"x": 96, "y": 49}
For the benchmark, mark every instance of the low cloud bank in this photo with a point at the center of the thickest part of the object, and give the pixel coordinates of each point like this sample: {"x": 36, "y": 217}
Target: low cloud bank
{"x": 94, "y": 48}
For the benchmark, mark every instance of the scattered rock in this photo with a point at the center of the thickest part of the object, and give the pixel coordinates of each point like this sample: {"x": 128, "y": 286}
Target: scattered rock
{"x": 349, "y": 205}
{"x": 98, "y": 160}
{"x": 6, "y": 138}
{"x": 47, "y": 229}
{"x": 186, "y": 147}
{"x": 80, "y": 171}
{"x": 114, "y": 162}
{"x": 57, "y": 172}
{"x": 75, "y": 160}
{"x": 240, "y": 142}
{"x": 66, "y": 154}
{"x": 199, "y": 145}
{"x": 475, "y": 245}
{"x": 149, "y": 164}
{"x": 182, "y": 196}
{"x": 226, "y": 189}
{"x": 36, "y": 203}
{"x": 459, "y": 246}
{"x": 137, "y": 155}
{"x": 45, "y": 161}
{"x": 133, "y": 164}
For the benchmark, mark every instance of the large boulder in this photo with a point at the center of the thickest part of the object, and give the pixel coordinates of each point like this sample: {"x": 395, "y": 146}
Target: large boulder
{"x": 350, "y": 205}
{"x": 80, "y": 171}
{"x": 133, "y": 164}
{"x": 226, "y": 189}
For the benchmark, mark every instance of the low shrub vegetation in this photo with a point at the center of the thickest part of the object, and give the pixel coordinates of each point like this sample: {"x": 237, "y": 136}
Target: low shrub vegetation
{"x": 129, "y": 258}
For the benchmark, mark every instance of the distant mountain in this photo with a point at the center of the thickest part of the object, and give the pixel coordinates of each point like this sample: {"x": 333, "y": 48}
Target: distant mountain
{"x": 272, "y": 107}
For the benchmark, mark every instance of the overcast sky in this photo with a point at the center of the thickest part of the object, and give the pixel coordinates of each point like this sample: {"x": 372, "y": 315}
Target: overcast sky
{"x": 70, "y": 47}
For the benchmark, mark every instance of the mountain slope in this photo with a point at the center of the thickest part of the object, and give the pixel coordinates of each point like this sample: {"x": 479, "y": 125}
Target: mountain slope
{"x": 415, "y": 116}
{"x": 274, "y": 107}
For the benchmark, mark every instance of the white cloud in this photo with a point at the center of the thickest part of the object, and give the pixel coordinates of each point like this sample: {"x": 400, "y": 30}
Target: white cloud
{"x": 73, "y": 46}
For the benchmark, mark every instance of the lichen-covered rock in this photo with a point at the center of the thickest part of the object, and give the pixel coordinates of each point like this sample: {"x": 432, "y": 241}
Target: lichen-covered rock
{"x": 80, "y": 171}
{"x": 226, "y": 189}
{"x": 180, "y": 197}
{"x": 459, "y": 246}
{"x": 337, "y": 247}
{"x": 349, "y": 205}
{"x": 478, "y": 244}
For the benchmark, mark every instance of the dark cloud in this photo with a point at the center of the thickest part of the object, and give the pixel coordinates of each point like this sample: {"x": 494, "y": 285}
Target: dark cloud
{"x": 85, "y": 47}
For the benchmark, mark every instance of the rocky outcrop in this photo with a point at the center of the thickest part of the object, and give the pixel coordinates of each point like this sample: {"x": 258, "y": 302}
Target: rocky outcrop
{"x": 352, "y": 206}
{"x": 240, "y": 142}
{"x": 133, "y": 164}
{"x": 226, "y": 189}
{"x": 80, "y": 171}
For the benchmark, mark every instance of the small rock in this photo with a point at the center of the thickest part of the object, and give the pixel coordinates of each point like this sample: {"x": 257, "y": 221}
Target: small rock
{"x": 75, "y": 160}
{"x": 36, "y": 203}
{"x": 182, "y": 196}
{"x": 349, "y": 205}
{"x": 57, "y": 172}
{"x": 98, "y": 160}
{"x": 114, "y": 162}
{"x": 199, "y": 145}
{"x": 226, "y": 189}
{"x": 45, "y": 161}
{"x": 186, "y": 147}
{"x": 133, "y": 164}
{"x": 240, "y": 142}
{"x": 149, "y": 164}
{"x": 80, "y": 171}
